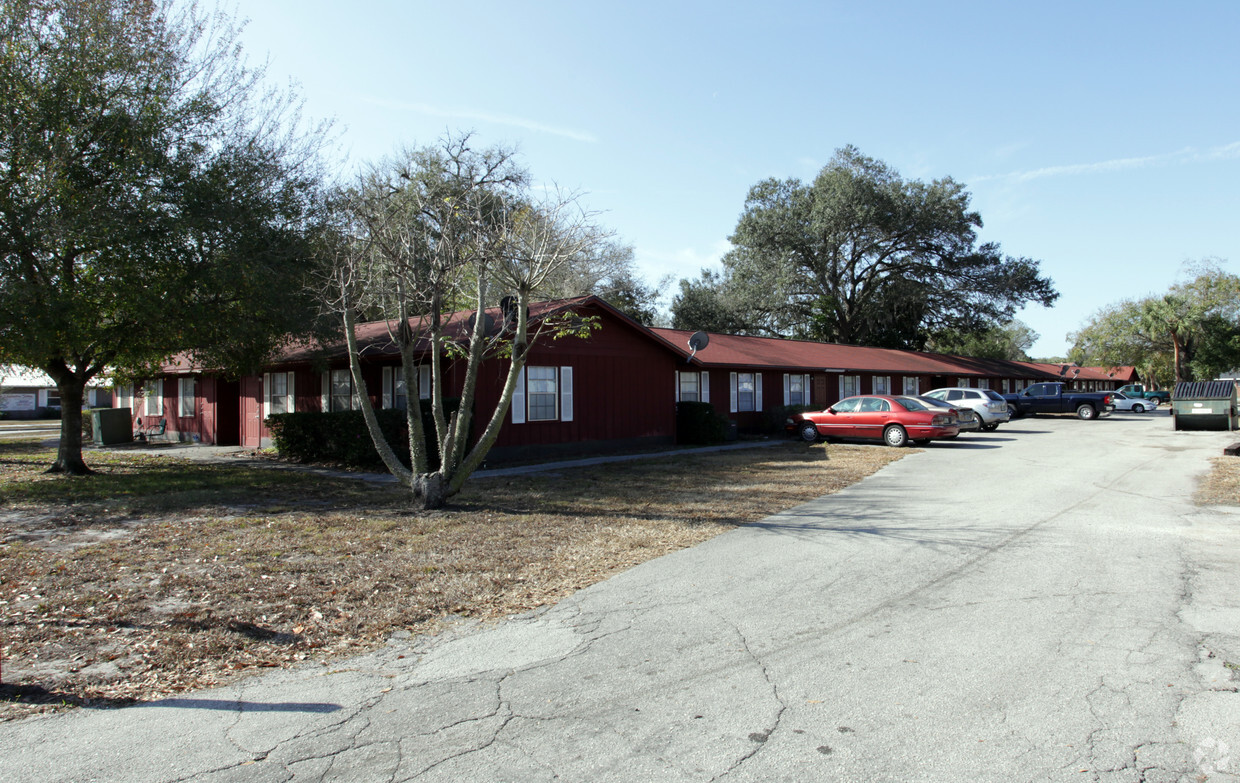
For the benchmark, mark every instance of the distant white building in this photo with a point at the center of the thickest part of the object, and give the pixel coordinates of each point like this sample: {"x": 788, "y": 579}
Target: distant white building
{"x": 30, "y": 394}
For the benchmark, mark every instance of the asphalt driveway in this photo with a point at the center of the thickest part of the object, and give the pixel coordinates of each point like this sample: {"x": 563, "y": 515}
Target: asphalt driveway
{"x": 1039, "y": 603}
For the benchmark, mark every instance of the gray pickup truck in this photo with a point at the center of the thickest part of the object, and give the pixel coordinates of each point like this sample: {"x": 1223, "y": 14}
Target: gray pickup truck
{"x": 1054, "y": 398}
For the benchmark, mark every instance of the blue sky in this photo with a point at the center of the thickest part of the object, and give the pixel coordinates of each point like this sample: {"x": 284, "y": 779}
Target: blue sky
{"x": 1102, "y": 139}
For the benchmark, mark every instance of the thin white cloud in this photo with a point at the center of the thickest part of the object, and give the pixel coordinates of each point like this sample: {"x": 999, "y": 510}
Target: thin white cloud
{"x": 487, "y": 117}
{"x": 1186, "y": 155}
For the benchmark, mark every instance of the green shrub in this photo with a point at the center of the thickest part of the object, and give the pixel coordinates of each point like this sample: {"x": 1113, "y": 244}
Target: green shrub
{"x": 773, "y": 418}
{"x": 342, "y": 436}
{"x": 698, "y": 424}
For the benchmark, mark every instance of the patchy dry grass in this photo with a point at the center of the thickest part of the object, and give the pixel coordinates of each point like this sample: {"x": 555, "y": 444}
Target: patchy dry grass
{"x": 160, "y": 575}
{"x": 1221, "y": 486}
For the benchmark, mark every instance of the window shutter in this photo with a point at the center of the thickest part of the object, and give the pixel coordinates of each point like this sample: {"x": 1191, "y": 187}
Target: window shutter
{"x": 292, "y": 397}
{"x": 266, "y": 394}
{"x": 676, "y": 375}
{"x": 424, "y": 381}
{"x": 387, "y": 387}
{"x": 566, "y": 394}
{"x": 787, "y": 389}
{"x": 732, "y": 381}
{"x": 705, "y": 387}
{"x": 757, "y": 392}
{"x": 325, "y": 394}
{"x": 518, "y": 399}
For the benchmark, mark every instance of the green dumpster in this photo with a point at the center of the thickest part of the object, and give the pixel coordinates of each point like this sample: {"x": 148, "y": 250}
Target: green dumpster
{"x": 1205, "y": 405}
{"x": 111, "y": 426}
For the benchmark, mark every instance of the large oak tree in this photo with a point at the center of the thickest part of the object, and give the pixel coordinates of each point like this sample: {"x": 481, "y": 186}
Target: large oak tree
{"x": 154, "y": 197}
{"x": 860, "y": 255}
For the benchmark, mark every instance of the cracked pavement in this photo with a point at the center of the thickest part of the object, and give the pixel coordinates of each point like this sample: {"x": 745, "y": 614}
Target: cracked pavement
{"x": 1039, "y": 603}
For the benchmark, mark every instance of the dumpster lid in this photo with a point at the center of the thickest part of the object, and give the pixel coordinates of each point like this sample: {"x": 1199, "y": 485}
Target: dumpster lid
{"x": 1205, "y": 390}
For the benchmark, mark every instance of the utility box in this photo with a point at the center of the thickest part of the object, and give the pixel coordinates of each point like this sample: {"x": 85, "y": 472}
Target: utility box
{"x": 111, "y": 426}
{"x": 1205, "y": 405}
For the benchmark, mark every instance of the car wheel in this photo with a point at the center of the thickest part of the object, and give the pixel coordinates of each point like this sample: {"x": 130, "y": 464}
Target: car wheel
{"x": 1138, "y": 408}
{"x": 809, "y": 432}
{"x": 989, "y": 427}
{"x": 895, "y": 436}
{"x": 1086, "y": 412}
{"x": 1015, "y": 414}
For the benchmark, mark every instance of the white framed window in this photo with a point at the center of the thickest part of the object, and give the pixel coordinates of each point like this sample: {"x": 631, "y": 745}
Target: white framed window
{"x": 912, "y": 385}
{"x": 543, "y": 394}
{"x": 336, "y": 392}
{"x": 983, "y": 383}
{"x": 395, "y": 395}
{"x": 692, "y": 386}
{"x": 796, "y": 389}
{"x": 850, "y": 386}
{"x": 963, "y": 382}
{"x": 185, "y": 397}
{"x": 278, "y": 392}
{"x": 154, "y": 393}
{"x": 341, "y": 390}
{"x": 882, "y": 384}
{"x": 124, "y": 396}
{"x": 745, "y": 391}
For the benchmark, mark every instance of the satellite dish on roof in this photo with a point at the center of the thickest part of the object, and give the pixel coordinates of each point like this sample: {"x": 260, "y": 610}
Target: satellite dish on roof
{"x": 698, "y": 341}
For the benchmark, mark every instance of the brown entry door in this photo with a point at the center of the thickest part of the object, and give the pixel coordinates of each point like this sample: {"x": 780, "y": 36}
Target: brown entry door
{"x": 251, "y": 411}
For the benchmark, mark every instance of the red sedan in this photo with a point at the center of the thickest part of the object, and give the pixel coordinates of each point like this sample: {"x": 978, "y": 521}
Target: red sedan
{"x": 893, "y": 420}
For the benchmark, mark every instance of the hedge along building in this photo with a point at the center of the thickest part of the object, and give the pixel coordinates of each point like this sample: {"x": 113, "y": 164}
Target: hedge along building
{"x": 615, "y": 389}
{"x": 607, "y": 391}
{"x": 746, "y": 377}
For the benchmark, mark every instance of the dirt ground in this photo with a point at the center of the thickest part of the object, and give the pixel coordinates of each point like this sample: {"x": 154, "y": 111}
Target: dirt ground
{"x": 159, "y": 575}
{"x": 1221, "y": 486}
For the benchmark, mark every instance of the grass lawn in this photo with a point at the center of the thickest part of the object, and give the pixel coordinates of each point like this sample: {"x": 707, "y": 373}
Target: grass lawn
{"x": 159, "y": 575}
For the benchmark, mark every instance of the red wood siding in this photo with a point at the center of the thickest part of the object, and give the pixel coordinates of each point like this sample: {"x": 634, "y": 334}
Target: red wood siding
{"x": 622, "y": 389}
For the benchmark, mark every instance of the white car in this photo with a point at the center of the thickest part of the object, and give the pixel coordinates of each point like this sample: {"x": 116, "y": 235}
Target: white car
{"x": 989, "y": 405}
{"x": 1123, "y": 402}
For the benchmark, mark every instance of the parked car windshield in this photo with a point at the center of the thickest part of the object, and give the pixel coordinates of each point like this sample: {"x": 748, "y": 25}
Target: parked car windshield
{"x": 911, "y": 404}
{"x": 994, "y": 395}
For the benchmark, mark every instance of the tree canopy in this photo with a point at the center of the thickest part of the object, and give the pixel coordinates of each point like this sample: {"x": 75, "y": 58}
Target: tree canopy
{"x": 608, "y": 271}
{"x": 1011, "y": 341}
{"x": 154, "y": 198}
{"x": 1191, "y": 332}
{"x": 860, "y": 255}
